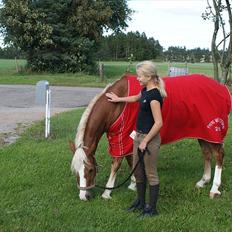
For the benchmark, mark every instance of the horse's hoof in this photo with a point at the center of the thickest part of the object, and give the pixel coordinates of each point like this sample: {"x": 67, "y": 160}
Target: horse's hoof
{"x": 132, "y": 187}
{"x": 213, "y": 195}
{"x": 200, "y": 184}
{"x": 106, "y": 196}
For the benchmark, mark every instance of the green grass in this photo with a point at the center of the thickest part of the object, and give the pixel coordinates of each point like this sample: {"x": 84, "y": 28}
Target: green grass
{"x": 7, "y": 65}
{"x": 38, "y": 191}
{"x": 113, "y": 70}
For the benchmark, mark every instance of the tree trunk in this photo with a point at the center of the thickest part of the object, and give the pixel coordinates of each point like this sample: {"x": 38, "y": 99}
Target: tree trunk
{"x": 214, "y": 47}
{"x": 16, "y": 64}
{"x": 222, "y": 56}
{"x": 229, "y": 50}
{"x": 101, "y": 71}
{"x": 224, "y": 73}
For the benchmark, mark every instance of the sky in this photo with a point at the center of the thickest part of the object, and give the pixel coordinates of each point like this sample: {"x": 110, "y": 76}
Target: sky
{"x": 172, "y": 22}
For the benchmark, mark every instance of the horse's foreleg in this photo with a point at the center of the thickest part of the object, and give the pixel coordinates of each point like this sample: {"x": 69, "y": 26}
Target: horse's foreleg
{"x": 132, "y": 185}
{"x": 207, "y": 153}
{"x": 116, "y": 163}
{"x": 219, "y": 154}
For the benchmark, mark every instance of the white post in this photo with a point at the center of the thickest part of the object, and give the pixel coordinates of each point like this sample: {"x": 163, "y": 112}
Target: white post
{"x": 47, "y": 113}
{"x": 43, "y": 98}
{"x": 49, "y": 110}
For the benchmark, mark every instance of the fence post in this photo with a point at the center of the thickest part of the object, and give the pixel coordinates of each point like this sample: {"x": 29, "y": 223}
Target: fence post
{"x": 101, "y": 71}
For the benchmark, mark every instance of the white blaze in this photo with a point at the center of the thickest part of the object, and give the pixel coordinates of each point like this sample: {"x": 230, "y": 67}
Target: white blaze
{"x": 82, "y": 193}
{"x": 77, "y": 166}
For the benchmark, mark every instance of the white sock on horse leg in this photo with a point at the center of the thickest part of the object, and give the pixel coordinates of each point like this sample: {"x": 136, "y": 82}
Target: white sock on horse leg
{"x": 216, "y": 182}
{"x": 132, "y": 185}
{"x": 110, "y": 184}
{"x": 206, "y": 176}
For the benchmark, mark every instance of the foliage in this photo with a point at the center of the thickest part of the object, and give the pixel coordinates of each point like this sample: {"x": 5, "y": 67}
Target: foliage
{"x": 173, "y": 54}
{"x": 136, "y": 46}
{"x": 60, "y": 35}
{"x": 24, "y": 26}
{"x": 219, "y": 11}
{"x": 121, "y": 46}
{"x": 38, "y": 191}
{"x": 10, "y": 52}
{"x": 181, "y": 54}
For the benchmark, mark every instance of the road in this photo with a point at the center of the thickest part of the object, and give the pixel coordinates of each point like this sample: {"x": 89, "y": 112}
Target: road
{"x": 18, "y": 108}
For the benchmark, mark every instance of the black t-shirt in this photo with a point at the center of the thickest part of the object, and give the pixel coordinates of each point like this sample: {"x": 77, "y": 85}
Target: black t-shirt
{"x": 145, "y": 119}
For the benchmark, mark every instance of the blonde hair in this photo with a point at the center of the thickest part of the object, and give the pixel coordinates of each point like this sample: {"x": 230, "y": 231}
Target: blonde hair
{"x": 148, "y": 69}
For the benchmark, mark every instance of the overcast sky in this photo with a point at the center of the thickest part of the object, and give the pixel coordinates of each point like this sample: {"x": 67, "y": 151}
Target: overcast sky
{"x": 172, "y": 22}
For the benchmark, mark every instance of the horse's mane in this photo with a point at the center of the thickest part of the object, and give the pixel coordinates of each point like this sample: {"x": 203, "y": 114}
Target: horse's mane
{"x": 82, "y": 125}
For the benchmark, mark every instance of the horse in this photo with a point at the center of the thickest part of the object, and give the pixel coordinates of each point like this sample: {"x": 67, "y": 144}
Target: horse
{"x": 101, "y": 115}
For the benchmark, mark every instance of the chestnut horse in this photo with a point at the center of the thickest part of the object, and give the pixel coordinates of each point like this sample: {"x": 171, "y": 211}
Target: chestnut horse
{"x": 97, "y": 119}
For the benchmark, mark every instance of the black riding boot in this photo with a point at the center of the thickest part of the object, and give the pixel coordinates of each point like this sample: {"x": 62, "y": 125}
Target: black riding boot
{"x": 139, "y": 203}
{"x": 150, "y": 209}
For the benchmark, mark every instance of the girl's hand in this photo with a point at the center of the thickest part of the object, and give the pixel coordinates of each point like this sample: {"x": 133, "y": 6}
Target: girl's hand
{"x": 112, "y": 97}
{"x": 142, "y": 146}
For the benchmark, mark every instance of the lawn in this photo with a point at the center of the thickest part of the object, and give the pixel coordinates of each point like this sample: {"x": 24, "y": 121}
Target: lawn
{"x": 38, "y": 191}
{"x": 113, "y": 70}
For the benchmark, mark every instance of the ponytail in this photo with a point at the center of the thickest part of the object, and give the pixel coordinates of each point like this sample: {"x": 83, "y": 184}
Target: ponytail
{"x": 161, "y": 87}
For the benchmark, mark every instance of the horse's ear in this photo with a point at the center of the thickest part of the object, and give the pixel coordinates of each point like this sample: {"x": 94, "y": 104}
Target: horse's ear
{"x": 72, "y": 146}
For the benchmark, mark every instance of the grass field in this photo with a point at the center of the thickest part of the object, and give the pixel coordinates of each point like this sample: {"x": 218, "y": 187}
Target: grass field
{"x": 38, "y": 191}
{"x": 113, "y": 70}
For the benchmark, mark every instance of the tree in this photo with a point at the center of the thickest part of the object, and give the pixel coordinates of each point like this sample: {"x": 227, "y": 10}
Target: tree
{"x": 10, "y": 52}
{"x": 121, "y": 46}
{"x": 176, "y": 54}
{"x": 217, "y": 11}
{"x": 61, "y": 35}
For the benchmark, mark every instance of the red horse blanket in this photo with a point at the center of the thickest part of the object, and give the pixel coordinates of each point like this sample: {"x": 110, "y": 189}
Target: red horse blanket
{"x": 196, "y": 107}
{"x": 120, "y": 142}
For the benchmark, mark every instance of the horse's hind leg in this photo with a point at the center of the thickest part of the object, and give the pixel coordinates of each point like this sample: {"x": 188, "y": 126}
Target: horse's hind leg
{"x": 218, "y": 151}
{"x": 207, "y": 153}
{"x": 129, "y": 160}
{"x": 116, "y": 163}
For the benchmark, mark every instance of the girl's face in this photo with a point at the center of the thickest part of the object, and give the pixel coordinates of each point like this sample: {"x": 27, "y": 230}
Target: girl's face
{"x": 143, "y": 80}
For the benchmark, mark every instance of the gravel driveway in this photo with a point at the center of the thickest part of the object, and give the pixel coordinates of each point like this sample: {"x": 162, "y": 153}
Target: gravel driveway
{"x": 18, "y": 109}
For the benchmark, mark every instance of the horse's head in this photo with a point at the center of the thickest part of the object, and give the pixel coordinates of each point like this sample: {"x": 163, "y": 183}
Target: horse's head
{"x": 84, "y": 167}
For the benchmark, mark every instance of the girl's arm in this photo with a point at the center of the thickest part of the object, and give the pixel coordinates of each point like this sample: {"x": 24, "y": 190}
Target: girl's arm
{"x": 157, "y": 115}
{"x": 112, "y": 97}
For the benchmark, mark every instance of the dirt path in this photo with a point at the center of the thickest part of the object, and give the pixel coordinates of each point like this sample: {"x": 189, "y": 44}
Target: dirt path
{"x": 18, "y": 109}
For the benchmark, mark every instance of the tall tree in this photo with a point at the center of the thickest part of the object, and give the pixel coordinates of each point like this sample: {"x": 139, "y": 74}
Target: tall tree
{"x": 219, "y": 11}
{"x": 61, "y": 35}
{"x": 120, "y": 46}
{"x": 176, "y": 54}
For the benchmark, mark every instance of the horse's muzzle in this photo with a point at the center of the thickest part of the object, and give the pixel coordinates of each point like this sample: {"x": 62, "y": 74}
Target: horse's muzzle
{"x": 85, "y": 195}
{"x": 85, "y": 188}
